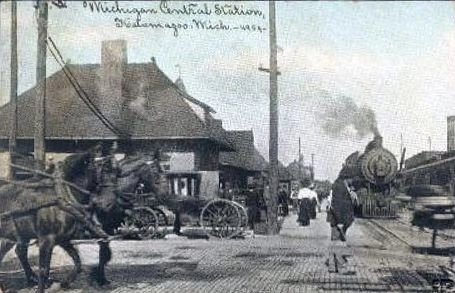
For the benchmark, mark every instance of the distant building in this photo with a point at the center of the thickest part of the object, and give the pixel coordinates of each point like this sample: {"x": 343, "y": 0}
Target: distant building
{"x": 242, "y": 166}
{"x": 430, "y": 167}
{"x": 423, "y": 158}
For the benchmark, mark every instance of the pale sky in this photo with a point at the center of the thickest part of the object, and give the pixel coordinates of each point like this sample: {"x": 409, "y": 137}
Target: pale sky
{"x": 398, "y": 58}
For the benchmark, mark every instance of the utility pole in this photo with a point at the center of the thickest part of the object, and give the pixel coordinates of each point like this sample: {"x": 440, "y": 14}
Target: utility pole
{"x": 300, "y": 162}
{"x": 40, "y": 102}
{"x": 429, "y": 143}
{"x": 13, "y": 88}
{"x": 271, "y": 196}
{"x": 312, "y": 168}
{"x": 273, "y": 139}
{"x": 401, "y": 144}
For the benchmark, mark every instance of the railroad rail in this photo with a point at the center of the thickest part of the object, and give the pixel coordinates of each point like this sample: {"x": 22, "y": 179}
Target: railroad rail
{"x": 389, "y": 232}
{"x": 448, "y": 270}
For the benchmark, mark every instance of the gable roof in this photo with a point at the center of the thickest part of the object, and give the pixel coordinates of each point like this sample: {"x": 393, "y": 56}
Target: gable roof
{"x": 154, "y": 106}
{"x": 246, "y": 155}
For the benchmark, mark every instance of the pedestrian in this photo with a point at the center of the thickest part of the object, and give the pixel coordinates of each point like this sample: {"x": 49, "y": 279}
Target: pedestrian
{"x": 177, "y": 223}
{"x": 252, "y": 202}
{"x": 340, "y": 215}
{"x": 304, "y": 202}
{"x": 329, "y": 201}
{"x": 294, "y": 200}
{"x": 314, "y": 201}
{"x": 341, "y": 212}
{"x": 283, "y": 201}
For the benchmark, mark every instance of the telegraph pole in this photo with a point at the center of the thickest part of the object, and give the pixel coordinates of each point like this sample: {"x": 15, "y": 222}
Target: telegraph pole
{"x": 300, "y": 162}
{"x": 40, "y": 102}
{"x": 271, "y": 196}
{"x": 312, "y": 167}
{"x": 13, "y": 88}
{"x": 401, "y": 144}
{"x": 273, "y": 143}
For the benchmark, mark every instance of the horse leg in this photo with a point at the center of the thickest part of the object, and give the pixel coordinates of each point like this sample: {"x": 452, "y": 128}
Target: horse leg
{"x": 105, "y": 254}
{"x": 74, "y": 254}
{"x": 46, "y": 245}
{"x": 5, "y": 246}
{"x": 22, "y": 254}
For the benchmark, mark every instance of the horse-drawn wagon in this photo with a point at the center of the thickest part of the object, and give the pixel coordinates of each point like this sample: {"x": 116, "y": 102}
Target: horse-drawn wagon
{"x": 84, "y": 196}
{"x": 149, "y": 218}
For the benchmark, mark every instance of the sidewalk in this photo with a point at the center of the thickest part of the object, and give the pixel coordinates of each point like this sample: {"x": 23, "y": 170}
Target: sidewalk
{"x": 293, "y": 261}
{"x": 377, "y": 264}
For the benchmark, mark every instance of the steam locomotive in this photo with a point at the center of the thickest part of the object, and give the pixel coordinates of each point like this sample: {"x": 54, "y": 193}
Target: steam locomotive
{"x": 373, "y": 175}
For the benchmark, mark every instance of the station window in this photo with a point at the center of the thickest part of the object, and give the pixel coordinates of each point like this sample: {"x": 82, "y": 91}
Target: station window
{"x": 184, "y": 184}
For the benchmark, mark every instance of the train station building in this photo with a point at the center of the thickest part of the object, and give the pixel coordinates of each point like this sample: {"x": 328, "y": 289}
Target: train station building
{"x": 140, "y": 100}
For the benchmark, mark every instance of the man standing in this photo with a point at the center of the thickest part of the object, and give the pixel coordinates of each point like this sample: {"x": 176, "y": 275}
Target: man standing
{"x": 314, "y": 201}
{"x": 283, "y": 201}
{"x": 252, "y": 202}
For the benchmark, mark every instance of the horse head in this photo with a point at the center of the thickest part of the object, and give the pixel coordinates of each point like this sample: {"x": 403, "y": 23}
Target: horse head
{"x": 76, "y": 168}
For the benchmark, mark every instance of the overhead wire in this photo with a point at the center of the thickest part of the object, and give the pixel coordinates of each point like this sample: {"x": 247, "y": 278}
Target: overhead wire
{"x": 79, "y": 89}
{"x": 82, "y": 94}
{"x": 86, "y": 102}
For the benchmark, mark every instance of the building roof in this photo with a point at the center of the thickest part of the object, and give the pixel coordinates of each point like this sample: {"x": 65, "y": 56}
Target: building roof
{"x": 246, "y": 156}
{"x": 154, "y": 106}
{"x": 423, "y": 158}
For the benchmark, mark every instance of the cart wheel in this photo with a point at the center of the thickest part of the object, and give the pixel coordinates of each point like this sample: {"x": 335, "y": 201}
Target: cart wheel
{"x": 163, "y": 222}
{"x": 221, "y": 218}
{"x": 162, "y": 217}
{"x": 141, "y": 222}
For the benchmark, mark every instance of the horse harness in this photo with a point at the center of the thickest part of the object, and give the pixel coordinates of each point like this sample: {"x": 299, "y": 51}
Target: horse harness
{"x": 65, "y": 201}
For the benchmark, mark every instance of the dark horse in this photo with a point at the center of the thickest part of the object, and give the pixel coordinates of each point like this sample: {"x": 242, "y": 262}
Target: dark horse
{"x": 53, "y": 226}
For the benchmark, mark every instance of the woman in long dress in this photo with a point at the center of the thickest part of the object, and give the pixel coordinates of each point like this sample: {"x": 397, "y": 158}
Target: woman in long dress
{"x": 340, "y": 216}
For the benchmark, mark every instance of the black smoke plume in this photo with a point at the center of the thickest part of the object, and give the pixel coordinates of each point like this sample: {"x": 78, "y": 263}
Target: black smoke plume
{"x": 340, "y": 112}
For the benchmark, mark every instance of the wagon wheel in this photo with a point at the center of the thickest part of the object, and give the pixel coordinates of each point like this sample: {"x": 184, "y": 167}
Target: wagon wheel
{"x": 162, "y": 217}
{"x": 162, "y": 222}
{"x": 221, "y": 218}
{"x": 142, "y": 222}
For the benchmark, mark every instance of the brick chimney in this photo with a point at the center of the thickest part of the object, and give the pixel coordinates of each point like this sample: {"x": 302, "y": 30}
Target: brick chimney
{"x": 450, "y": 133}
{"x": 114, "y": 60}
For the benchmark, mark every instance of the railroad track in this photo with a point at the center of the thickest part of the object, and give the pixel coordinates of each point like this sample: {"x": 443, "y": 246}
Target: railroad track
{"x": 448, "y": 270}
{"x": 390, "y": 235}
